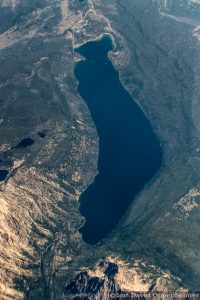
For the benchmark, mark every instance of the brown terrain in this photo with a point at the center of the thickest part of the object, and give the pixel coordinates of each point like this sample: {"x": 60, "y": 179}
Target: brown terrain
{"x": 49, "y": 146}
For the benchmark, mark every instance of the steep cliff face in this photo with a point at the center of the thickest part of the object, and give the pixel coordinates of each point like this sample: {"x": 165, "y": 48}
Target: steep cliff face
{"x": 49, "y": 149}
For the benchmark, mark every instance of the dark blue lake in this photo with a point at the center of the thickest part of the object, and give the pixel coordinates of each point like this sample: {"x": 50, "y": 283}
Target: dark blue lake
{"x": 3, "y": 175}
{"x": 129, "y": 152}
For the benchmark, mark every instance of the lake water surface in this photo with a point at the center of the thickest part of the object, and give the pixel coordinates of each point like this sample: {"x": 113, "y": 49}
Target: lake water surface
{"x": 129, "y": 152}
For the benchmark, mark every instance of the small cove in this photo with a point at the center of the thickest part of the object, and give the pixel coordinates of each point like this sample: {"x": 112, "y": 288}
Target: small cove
{"x": 129, "y": 152}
